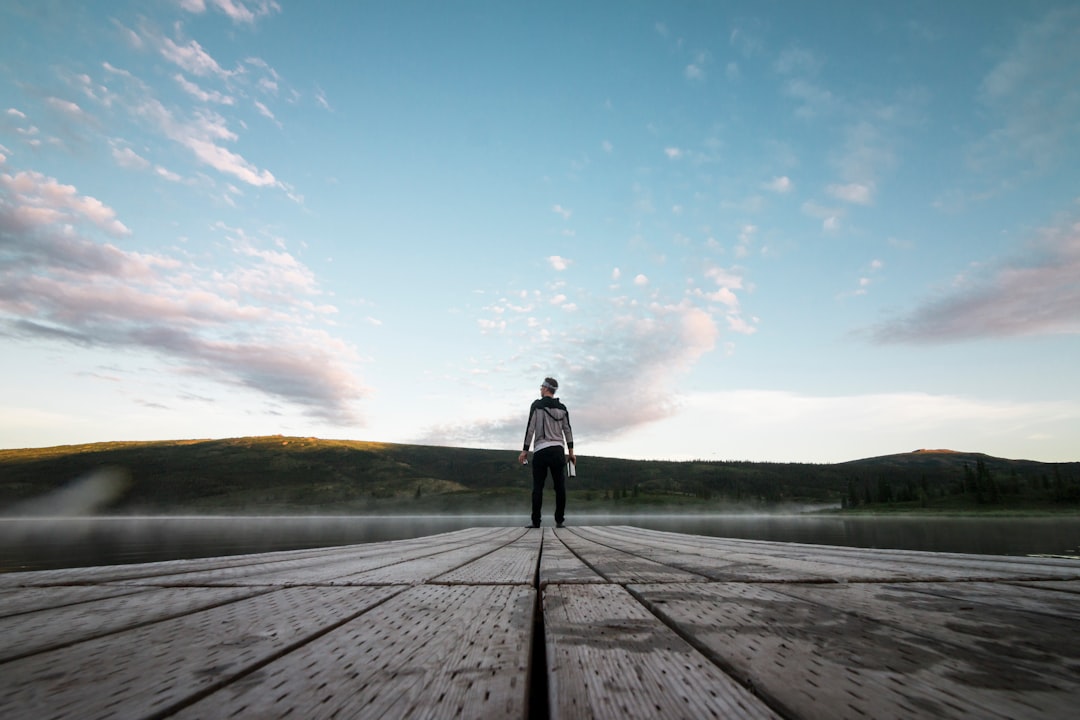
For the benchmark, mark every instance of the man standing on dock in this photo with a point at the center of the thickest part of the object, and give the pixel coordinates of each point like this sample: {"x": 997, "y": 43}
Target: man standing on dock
{"x": 548, "y": 428}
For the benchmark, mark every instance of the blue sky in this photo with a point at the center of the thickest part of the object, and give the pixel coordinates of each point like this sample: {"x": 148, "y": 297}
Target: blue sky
{"x": 735, "y": 230}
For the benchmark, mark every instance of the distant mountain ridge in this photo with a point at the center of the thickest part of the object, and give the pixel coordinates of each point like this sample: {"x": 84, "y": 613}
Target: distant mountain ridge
{"x": 279, "y": 474}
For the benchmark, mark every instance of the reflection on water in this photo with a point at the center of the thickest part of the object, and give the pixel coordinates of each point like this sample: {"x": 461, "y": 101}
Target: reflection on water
{"x": 38, "y": 543}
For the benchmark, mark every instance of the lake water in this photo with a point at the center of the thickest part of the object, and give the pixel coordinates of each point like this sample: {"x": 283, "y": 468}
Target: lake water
{"x": 40, "y": 543}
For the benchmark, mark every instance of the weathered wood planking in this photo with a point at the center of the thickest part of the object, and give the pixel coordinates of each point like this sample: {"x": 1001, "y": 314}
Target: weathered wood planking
{"x": 818, "y": 659}
{"x": 558, "y": 564}
{"x": 608, "y": 657}
{"x": 737, "y": 560}
{"x": 431, "y": 651}
{"x": 635, "y": 623}
{"x": 149, "y": 669}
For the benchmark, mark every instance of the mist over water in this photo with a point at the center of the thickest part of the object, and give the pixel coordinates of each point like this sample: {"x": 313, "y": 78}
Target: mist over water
{"x": 55, "y": 542}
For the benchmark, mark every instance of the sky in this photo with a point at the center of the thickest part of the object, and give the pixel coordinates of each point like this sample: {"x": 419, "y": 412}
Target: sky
{"x": 769, "y": 231}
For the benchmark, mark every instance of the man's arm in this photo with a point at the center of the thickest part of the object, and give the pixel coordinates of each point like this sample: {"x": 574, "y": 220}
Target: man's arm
{"x": 528, "y": 433}
{"x": 568, "y": 433}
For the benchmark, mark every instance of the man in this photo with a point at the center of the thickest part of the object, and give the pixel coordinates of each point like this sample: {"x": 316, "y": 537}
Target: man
{"x": 547, "y": 429}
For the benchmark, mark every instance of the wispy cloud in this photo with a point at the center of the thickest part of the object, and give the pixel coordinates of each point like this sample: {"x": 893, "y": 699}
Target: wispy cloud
{"x": 202, "y": 135}
{"x": 1036, "y": 294}
{"x": 855, "y": 193}
{"x": 830, "y": 217}
{"x": 191, "y": 57}
{"x": 125, "y": 157}
{"x": 1033, "y": 96}
{"x": 242, "y": 11}
{"x": 206, "y": 96}
{"x": 781, "y": 184}
{"x": 252, "y": 323}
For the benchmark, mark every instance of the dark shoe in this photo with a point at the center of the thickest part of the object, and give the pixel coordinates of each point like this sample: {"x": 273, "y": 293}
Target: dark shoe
{"x": 532, "y": 526}
{"x": 559, "y": 525}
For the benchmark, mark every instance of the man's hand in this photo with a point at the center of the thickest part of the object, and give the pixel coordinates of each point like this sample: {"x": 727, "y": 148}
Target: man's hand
{"x": 573, "y": 457}
{"x": 522, "y": 457}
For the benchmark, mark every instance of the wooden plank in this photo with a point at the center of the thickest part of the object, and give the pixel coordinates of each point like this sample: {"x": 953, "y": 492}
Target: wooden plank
{"x": 1031, "y": 635}
{"x": 44, "y": 629}
{"x": 682, "y": 552}
{"x": 845, "y": 564}
{"x": 340, "y": 566}
{"x": 610, "y": 658}
{"x": 32, "y": 599}
{"x": 621, "y": 567}
{"x": 515, "y": 563}
{"x": 1023, "y": 598}
{"x": 154, "y": 668}
{"x": 1069, "y": 586}
{"x": 815, "y": 660}
{"x": 433, "y": 652}
{"x": 424, "y": 569}
{"x": 185, "y": 571}
{"x": 136, "y": 571}
{"x": 558, "y": 564}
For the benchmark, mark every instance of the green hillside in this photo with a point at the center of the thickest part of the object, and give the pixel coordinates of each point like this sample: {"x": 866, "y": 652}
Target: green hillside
{"x": 269, "y": 475}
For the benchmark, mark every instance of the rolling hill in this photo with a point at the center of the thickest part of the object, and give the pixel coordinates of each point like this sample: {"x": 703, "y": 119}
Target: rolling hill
{"x": 267, "y": 475}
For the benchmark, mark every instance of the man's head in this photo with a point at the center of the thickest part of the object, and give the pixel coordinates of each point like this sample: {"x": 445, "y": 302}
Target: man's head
{"x": 549, "y": 387}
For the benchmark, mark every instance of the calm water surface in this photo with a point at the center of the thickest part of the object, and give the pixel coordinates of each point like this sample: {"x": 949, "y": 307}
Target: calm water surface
{"x": 39, "y": 543}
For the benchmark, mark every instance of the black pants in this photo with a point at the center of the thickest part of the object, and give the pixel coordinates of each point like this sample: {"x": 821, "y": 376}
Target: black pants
{"x": 553, "y": 459}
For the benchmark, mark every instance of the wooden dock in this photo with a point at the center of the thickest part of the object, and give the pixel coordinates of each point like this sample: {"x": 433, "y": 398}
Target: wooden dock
{"x": 589, "y": 622}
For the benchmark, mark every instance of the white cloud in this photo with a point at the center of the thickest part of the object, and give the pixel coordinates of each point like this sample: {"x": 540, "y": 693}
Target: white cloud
{"x": 725, "y": 278}
{"x": 781, "y": 184}
{"x": 561, "y": 211}
{"x": 128, "y": 158}
{"x": 559, "y": 263}
{"x": 830, "y": 217}
{"x": 641, "y": 280}
{"x": 66, "y": 107}
{"x": 191, "y": 57}
{"x": 694, "y": 72}
{"x": 673, "y": 152}
{"x": 856, "y": 193}
{"x": 206, "y": 96}
{"x": 16, "y": 113}
{"x": 616, "y": 273}
{"x": 264, "y": 111}
{"x": 167, "y": 174}
{"x": 606, "y": 146}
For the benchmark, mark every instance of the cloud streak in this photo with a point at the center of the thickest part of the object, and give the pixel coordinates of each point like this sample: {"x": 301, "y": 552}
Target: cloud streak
{"x": 248, "y": 325}
{"x": 1038, "y": 294}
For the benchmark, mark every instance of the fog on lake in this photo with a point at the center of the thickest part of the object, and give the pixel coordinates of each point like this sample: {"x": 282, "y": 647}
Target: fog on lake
{"x": 39, "y": 543}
